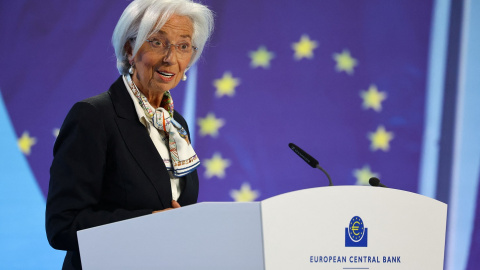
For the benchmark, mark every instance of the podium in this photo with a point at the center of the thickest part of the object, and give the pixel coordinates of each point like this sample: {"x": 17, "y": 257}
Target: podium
{"x": 341, "y": 227}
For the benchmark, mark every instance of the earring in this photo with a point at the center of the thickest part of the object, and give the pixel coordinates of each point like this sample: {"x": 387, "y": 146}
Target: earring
{"x": 184, "y": 78}
{"x": 132, "y": 67}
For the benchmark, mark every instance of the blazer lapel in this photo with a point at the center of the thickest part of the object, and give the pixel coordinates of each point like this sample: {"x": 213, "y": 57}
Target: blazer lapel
{"x": 139, "y": 142}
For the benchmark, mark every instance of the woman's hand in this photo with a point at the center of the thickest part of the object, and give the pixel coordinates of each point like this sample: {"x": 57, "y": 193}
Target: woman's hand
{"x": 174, "y": 205}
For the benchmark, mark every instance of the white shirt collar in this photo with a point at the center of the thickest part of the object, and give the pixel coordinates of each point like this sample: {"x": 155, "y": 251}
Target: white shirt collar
{"x": 140, "y": 112}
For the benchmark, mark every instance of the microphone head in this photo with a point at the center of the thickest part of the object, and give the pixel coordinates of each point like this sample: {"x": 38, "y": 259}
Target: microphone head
{"x": 374, "y": 181}
{"x": 309, "y": 159}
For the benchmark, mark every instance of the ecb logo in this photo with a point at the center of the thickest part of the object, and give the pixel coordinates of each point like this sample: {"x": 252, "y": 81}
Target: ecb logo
{"x": 356, "y": 235}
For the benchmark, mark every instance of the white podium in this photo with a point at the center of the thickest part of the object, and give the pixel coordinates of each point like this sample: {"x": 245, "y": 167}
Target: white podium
{"x": 342, "y": 227}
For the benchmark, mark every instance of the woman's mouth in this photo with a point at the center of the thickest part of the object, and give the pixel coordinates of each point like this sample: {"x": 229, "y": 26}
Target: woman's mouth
{"x": 166, "y": 76}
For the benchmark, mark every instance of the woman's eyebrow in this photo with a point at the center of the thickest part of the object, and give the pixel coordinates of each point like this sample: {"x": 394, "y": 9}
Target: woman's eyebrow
{"x": 162, "y": 33}
{"x": 186, "y": 36}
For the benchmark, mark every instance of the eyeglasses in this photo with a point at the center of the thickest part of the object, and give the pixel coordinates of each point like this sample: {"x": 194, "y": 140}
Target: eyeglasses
{"x": 183, "y": 49}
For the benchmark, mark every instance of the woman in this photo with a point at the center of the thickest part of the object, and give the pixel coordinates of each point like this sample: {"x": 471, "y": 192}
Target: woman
{"x": 126, "y": 153}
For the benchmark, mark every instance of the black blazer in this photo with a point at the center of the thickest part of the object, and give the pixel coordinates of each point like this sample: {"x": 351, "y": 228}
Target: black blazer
{"x": 106, "y": 169}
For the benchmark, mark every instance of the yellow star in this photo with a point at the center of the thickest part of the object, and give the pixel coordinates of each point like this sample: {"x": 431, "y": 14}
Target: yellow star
{"x": 210, "y": 125}
{"x": 363, "y": 175}
{"x": 216, "y": 166}
{"x": 372, "y": 98}
{"x": 245, "y": 194}
{"x": 304, "y": 48}
{"x": 380, "y": 139}
{"x": 261, "y": 57}
{"x": 226, "y": 85}
{"x": 26, "y": 142}
{"x": 345, "y": 62}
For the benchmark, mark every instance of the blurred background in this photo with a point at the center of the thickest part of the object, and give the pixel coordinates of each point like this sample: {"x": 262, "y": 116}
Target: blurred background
{"x": 369, "y": 88}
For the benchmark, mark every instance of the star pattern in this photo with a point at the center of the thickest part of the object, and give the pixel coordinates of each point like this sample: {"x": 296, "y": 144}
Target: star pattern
{"x": 25, "y": 143}
{"x": 304, "y": 48}
{"x": 363, "y": 175}
{"x": 216, "y": 166}
{"x": 372, "y": 98}
{"x": 210, "y": 125}
{"x": 345, "y": 62}
{"x": 244, "y": 194}
{"x": 380, "y": 139}
{"x": 226, "y": 85}
{"x": 261, "y": 57}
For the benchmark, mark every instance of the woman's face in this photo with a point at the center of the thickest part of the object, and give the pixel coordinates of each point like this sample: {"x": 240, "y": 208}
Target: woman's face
{"x": 157, "y": 71}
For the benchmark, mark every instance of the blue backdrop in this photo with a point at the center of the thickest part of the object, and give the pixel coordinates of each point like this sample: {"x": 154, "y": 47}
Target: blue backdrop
{"x": 358, "y": 84}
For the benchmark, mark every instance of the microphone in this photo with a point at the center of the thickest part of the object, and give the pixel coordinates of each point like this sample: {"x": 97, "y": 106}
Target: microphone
{"x": 309, "y": 159}
{"x": 375, "y": 182}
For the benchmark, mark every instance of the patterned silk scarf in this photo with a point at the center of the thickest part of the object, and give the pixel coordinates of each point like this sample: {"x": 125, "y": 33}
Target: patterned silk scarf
{"x": 182, "y": 156}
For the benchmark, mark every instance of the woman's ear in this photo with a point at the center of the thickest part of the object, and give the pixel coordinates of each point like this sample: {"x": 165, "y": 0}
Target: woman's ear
{"x": 128, "y": 49}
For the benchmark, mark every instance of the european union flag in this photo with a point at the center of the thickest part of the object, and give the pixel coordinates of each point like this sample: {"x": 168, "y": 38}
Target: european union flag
{"x": 344, "y": 80}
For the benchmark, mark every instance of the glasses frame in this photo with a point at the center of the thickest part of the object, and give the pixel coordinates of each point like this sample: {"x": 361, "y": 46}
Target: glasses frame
{"x": 167, "y": 46}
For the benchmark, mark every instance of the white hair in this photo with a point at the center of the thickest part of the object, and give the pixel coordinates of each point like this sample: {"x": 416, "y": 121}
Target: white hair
{"x": 142, "y": 18}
